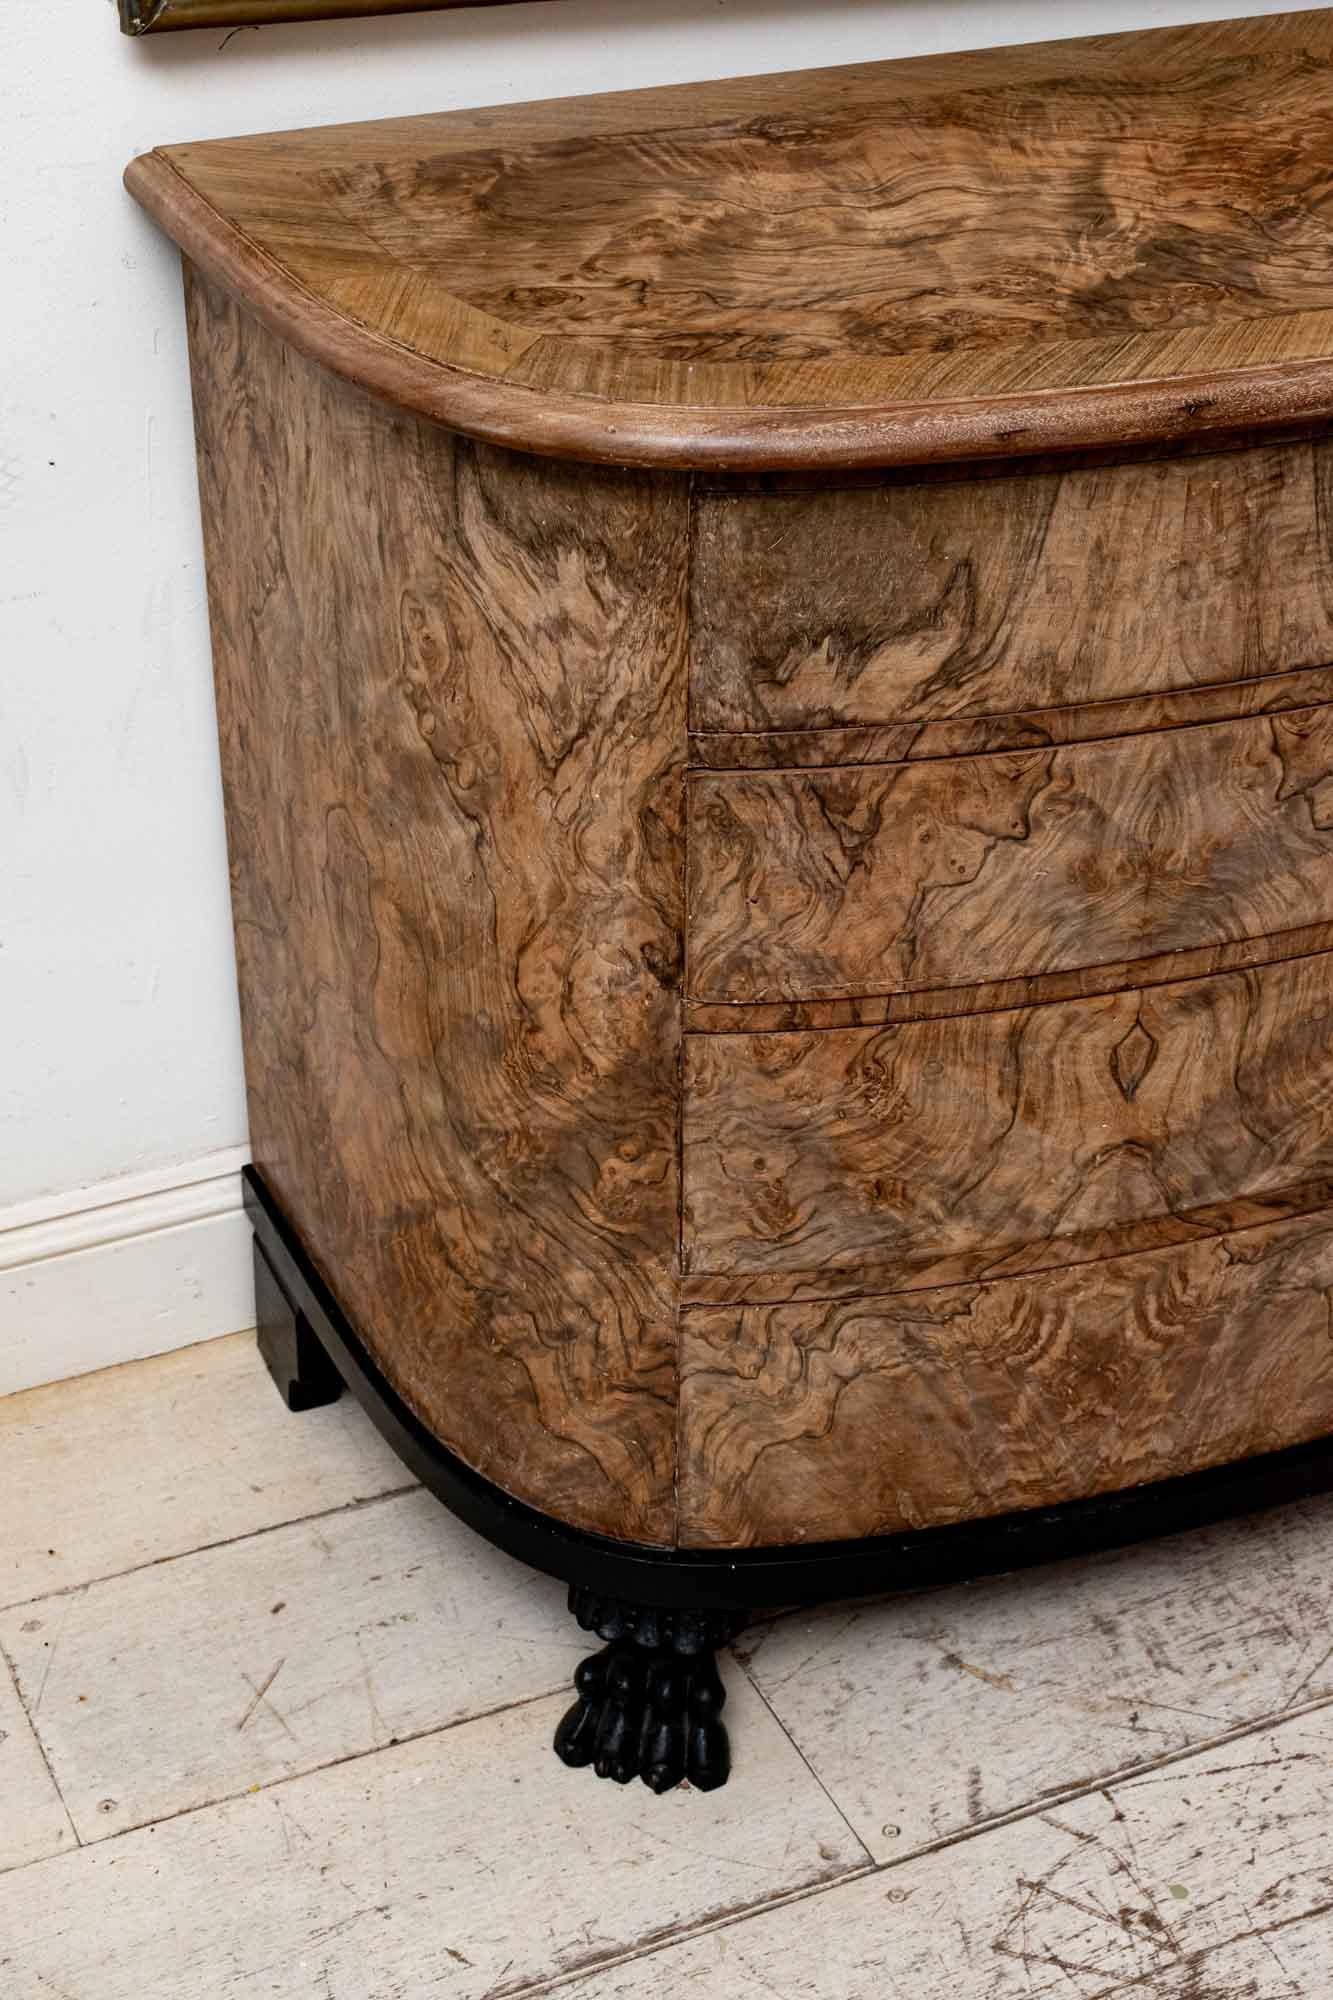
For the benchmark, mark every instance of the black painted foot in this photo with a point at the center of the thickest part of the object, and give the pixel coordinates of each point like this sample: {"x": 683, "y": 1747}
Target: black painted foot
{"x": 650, "y": 1703}
{"x": 306, "y": 1379}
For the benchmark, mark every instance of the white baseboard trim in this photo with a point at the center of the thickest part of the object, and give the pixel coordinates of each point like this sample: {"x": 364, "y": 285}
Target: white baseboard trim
{"x": 120, "y": 1271}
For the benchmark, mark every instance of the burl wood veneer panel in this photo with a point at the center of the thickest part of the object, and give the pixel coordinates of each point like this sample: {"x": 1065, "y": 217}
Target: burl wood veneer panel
{"x": 937, "y": 1003}
{"x": 862, "y": 1417}
{"x": 1025, "y": 729}
{"x": 892, "y": 602}
{"x": 882, "y": 878}
{"x": 451, "y": 689}
{"x": 867, "y": 1159}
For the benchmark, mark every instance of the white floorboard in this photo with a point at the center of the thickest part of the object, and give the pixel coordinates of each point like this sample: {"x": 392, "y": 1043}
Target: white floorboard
{"x": 467, "y": 1864}
{"x": 33, "y": 1823}
{"x": 195, "y": 1679}
{"x": 929, "y": 1715}
{"x": 1211, "y": 1880}
{"x": 159, "y": 1457}
{"x": 1104, "y": 1781}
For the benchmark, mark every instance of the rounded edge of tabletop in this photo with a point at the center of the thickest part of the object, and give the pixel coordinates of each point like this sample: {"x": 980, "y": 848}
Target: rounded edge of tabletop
{"x": 824, "y": 438}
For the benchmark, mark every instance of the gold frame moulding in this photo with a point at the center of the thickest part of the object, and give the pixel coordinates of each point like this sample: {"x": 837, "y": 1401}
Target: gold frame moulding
{"x": 142, "y": 17}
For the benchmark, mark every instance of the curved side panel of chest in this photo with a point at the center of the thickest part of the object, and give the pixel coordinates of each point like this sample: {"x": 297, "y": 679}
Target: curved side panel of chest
{"x": 451, "y": 688}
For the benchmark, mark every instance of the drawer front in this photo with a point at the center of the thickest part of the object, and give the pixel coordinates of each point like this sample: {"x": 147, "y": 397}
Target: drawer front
{"x": 833, "y": 1420}
{"x": 896, "y": 878}
{"x": 1031, "y": 1137}
{"x": 891, "y": 602}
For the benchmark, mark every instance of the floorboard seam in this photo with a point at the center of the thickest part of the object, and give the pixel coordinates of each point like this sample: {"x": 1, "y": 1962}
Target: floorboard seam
{"x": 814, "y": 1775}
{"x": 1109, "y": 1780}
{"x": 733, "y": 1919}
{"x": 354, "y": 1506}
{"x": 649, "y": 1948}
{"x": 42, "y": 1752}
{"x": 1048, "y": 1801}
{"x": 307, "y": 1771}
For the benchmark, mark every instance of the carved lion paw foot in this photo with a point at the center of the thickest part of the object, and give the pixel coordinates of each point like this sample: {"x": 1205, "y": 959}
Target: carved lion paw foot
{"x": 650, "y": 1703}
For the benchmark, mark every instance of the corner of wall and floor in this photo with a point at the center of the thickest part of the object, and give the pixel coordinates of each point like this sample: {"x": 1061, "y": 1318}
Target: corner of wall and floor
{"x": 127, "y": 1268}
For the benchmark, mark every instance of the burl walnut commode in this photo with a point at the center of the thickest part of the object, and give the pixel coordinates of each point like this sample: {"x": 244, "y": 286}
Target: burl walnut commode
{"x": 773, "y": 646}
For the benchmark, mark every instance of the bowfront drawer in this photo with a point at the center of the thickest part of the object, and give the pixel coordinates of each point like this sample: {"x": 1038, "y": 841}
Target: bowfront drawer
{"x": 804, "y": 1423}
{"x": 1016, "y": 1140}
{"x": 820, "y": 884}
{"x": 890, "y": 602}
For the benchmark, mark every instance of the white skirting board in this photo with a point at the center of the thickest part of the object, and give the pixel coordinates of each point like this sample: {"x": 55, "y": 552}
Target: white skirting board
{"x": 127, "y": 1269}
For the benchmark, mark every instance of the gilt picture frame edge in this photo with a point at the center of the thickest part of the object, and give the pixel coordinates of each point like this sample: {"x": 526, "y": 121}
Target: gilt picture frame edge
{"x": 143, "y": 17}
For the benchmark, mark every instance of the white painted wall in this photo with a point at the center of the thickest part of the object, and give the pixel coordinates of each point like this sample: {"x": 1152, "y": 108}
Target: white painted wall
{"x": 120, "y": 1073}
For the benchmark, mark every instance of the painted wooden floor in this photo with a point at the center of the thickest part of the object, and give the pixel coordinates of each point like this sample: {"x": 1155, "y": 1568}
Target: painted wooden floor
{"x": 272, "y": 1724}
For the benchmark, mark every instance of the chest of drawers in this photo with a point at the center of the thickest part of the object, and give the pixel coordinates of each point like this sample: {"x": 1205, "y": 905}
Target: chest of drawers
{"x": 775, "y": 669}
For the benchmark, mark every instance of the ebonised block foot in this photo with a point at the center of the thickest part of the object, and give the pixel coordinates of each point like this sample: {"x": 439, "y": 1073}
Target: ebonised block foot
{"x": 650, "y": 1703}
{"x": 305, "y": 1377}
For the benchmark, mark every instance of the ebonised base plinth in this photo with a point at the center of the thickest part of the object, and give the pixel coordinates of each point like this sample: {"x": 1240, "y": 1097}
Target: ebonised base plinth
{"x": 302, "y": 1372}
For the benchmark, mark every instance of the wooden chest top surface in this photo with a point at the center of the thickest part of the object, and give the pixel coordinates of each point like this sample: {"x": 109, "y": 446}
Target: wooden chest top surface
{"x": 1063, "y": 245}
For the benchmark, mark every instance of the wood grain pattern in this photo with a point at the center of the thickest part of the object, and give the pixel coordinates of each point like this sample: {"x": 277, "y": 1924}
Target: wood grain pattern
{"x": 874, "y": 1010}
{"x": 1030, "y": 1136}
{"x": 975, "y": 599}
{"x": 1030, "y": 729}
{"x": 1138, "y": 1680}
{"x": 1004, "y": 252}
{"x": 451, "y": 692}
{"x": 925, "y": 1267}
{"x": 807, "y": 885}
{"x": 861, "y": 1417}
